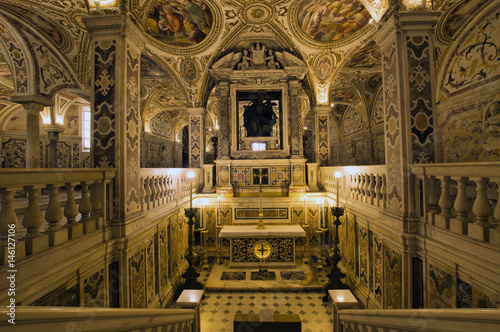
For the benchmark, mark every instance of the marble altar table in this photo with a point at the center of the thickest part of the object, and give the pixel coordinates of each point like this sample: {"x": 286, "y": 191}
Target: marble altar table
{"x": 274, "y": 245}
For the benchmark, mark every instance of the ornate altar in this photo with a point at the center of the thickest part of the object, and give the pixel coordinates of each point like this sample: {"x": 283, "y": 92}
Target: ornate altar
{"x": 274, "y": 245}
{"x": 260, "y": 123}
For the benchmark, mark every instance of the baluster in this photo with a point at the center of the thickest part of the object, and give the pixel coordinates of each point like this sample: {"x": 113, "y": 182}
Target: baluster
{"x": 147, "y": 193}
{"x": 53, "y": 214}
{"x": 432, "y": 198}
{"x": 383, "y": 190}
{"x": 362, "y": 186}
{"x": 33, "y": 218}
{"x": 355, "y": 187}
{"x": 462, "y": 206}
{"x": 373, "y": 194}
{"x": 495, "y": 233}
{"x": 163, "y": 189}
{"x": 85, "y": 207}
{"x": 445, "y": 200}
{"x": 153, "y": 191}
{"x": 171, "y": 190}
{"x": 378, "y": 185}
{"x": 158, "y": 189}
{"x": 367, "y": 188}
{"x": 9, "y": 226}
{"x": 70, "y": 209}
{"x": 8, "y": 213}
{"x": 482, "y": 210}
{"x": 95, "y": 197}
{"x": 496, "y": 212}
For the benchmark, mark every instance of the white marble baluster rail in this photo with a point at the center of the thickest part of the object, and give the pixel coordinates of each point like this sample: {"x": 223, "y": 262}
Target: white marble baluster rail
{"x": 43, "y": 225}
{"x": 162, "y": 186}
{"x": 364, "y": 184}
{"x": 453, "y": 320}
{"x": 454, "y": 212}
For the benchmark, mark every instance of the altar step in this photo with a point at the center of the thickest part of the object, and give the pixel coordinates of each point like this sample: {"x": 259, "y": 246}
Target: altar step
{"x": 292, "y": 279}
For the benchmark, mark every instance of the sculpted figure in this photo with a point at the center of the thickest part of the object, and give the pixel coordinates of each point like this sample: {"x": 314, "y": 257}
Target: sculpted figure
{"x": 259, "y": 117}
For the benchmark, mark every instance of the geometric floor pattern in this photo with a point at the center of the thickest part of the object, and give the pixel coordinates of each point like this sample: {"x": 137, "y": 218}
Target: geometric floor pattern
{"x": 218, "y": 308}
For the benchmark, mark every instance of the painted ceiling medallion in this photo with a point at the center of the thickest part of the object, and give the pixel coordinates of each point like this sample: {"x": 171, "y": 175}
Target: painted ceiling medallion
{"x": 257, "y": 13}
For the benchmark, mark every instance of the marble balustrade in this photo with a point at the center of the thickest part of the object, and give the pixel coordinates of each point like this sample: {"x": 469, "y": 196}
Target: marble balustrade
{"x": 461, "y": 198}
{"x": 45, "y": 221}
{"x": 455, "y": 320}
{"x": 365, "y": 184}
{"x": 99, "y": 319}
{"x": 161, "y": 186}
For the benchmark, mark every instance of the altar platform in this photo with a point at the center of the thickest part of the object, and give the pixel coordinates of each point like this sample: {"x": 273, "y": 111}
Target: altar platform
{"x": 253, "y": 247}
{"x": 297, "y": 278}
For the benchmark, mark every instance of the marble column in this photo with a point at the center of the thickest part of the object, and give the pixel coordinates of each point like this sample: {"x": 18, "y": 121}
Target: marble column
{"x": 222, "y": 91}
{"x": 116, "y": 45}
{"x": 296, "y": 128}
{"x": 407, "y": 47}
{"x": 33, "y": 106}
{"x": 53, "y": 134}
{"x": 322, "y": 117}
{"x": 196, "y": 137}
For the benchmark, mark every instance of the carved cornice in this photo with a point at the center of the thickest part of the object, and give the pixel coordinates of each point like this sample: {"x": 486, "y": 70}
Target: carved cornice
{"x": 110, "y": 25}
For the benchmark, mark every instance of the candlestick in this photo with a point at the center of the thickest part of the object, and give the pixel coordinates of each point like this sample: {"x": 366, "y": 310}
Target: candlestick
{"x": 337, "y": 176}
{"x": 190, "y": 175}
{"x": 218, "y": 211}
{"x": 322, "y": 215}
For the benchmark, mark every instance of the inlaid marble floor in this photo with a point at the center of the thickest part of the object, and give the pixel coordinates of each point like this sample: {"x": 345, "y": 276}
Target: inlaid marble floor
{"x": 218, "y": 308}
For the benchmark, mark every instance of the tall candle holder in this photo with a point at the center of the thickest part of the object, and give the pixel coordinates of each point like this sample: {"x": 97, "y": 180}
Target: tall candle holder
{"x": 190, "y": 275}
{"x": 321, "y": 264}
{"x": 219, "y": 260}
{"x": 203, "y": 251}
{"x": 306, "y": 258}
{"x": 335, "y": 276}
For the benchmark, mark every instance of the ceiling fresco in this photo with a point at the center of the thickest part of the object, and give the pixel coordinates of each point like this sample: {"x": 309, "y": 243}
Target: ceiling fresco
{"x": 179, "y": 23}
{"x": 184, "y": 38}
{"x": 6, "y": 83}
{"x": 330, "y": 20}
{"x": 367, "y": 57}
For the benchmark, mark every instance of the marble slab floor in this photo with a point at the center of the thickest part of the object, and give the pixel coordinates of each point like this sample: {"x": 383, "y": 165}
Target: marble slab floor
{"x": 219, "y": 307}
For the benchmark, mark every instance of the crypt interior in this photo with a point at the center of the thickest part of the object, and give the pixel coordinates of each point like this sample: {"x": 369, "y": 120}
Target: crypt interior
{"x": 263, "y": 151}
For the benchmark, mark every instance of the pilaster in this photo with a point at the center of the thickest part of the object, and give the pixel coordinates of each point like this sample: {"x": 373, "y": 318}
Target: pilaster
{"x": 322, "y": 117}
{"x": 196, "y": 137}
{"x": 296, "y": 128}
{"x": 115, "y": 46}
{"x": 222, "y": 91}
{"x": 406, "y": 42}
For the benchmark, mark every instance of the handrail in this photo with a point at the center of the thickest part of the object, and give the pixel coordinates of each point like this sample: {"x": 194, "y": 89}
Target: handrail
{"x": 455, "y": 320}
{"x": 462, "y": 198}
{"x": 44, "y": 225}
{"x": 366, "y": 184}
{"x": 164, "y": 185}
{"x": 95, "y": 319}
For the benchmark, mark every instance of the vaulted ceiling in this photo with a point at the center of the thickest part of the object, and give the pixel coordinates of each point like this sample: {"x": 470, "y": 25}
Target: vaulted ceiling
{"x": 333, "y": 37}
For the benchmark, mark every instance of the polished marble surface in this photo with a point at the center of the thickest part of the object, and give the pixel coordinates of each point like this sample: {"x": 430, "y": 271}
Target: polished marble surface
{"x": 297, "y": 278}
{"x": 269, "y": 231}
{"x": 218, "y": 308}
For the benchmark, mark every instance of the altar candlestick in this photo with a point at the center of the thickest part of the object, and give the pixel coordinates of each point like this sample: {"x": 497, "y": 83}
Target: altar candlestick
{"x": 190, "y": 175}
{"x": 337, "y": 176}
{"x": 322, "y": 216}
{"x": 218, "y": 211}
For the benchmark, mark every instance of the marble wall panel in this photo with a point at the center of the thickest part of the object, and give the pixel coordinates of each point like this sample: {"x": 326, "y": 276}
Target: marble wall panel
{"x": 137, "y": 271}
{"x": 94, "y": 290}
{"x": 323, "y": 140}
{"x": 241, "y": 176}
{"x": 298, "y": 215}
{"x": 363, "y": 256}
{"x": 440, "y": 287}
{"x": 392, "y": 279}
{"x": 163, "y": 258}
{"x": 150, "y": 273}
{"x": 280, "y": 175}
